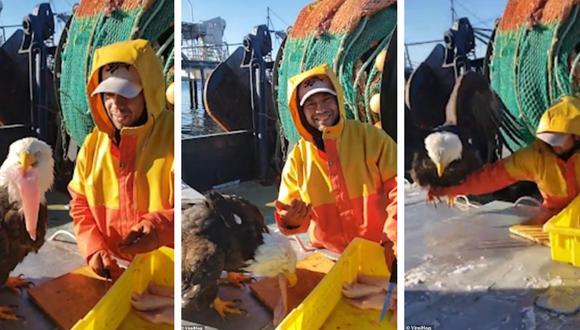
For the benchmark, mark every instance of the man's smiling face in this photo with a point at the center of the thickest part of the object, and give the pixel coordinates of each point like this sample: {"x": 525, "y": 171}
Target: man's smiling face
{"x": 321, "y": 110}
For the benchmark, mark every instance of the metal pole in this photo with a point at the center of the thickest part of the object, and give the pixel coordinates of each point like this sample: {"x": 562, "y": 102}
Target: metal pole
{"x": 195, "y": 94}
{"x": 262, "y": 117}
{"x": 191, "y": 84}
{"x": 42, "y": 105}
{"x": 452, "y": 12}
{"x": 202, "y": 73}
{"x": 33, "y": 90}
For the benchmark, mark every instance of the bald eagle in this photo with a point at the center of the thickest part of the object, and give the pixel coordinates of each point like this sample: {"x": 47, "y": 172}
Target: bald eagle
{"x": 25, "y": 176}
{"x": 227, "y": 233}
{"x": 469, "y": 137}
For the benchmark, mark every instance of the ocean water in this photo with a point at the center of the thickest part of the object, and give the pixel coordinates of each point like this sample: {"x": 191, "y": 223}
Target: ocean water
{"x": 195, "y": 121}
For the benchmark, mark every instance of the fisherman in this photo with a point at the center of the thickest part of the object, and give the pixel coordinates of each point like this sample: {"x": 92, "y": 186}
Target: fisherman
{"x": 552, "y": 161}
{"x": 122, "y": 188}
{"x": 341, "y": 175}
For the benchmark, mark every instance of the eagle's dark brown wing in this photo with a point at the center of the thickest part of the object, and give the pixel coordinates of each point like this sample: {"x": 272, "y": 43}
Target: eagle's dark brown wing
{"x": 15, "y": 243}
{"x": 202, "y": 259}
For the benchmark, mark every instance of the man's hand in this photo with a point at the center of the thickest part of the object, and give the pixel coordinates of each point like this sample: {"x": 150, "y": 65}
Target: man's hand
{"x": 103, "y": 265}
{"x": 294, "y": 214}
{"x": 142, "y": 238}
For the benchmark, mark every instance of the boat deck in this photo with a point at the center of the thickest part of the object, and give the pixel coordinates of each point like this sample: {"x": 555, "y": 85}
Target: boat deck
{"x": 465, "y": 270}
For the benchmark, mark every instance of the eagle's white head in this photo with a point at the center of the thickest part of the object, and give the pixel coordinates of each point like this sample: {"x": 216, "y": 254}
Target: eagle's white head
{"x": 443, "y": 148}
{"x": 274, "y": 257}
{"x": 27, "y": 174}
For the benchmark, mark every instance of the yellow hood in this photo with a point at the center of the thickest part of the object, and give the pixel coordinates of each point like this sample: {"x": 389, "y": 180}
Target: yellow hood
{"x": 562, "y": 117}
{"x": 293, "y": 103}
{"x": 141, "y": 55}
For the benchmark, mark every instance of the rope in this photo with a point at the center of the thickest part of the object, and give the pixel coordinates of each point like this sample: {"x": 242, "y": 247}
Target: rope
{"x": 551, "y": 64}
{"x": 303, "y": 246}
{"x": 383, "y": 44}
{"x": 530, "y": 199}
{"x": 355, "y": 35}
{"x": 573, "y": 69}
{"x": 561, "y": 38}
{"x": 340, "y": 74}
{"x": 151, "y": 17}
{"x": 135, "y": 30}
{"x": 370, "y": 84}
{"x": 168, "y": 42}
{"x": 462, "y": 202}
{"x": 306, "y": 47}
{"x": 169, "y": 63}
{"x": 338, "y": 57}
{"x": 62, "y": 232}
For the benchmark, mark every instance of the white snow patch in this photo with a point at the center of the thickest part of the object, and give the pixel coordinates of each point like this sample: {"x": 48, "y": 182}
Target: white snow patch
{"x": 466, "y": 268}
{"x": 415, "y": 277}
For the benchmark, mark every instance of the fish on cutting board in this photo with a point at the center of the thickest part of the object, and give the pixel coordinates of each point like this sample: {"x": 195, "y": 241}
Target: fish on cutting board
{"x": 368, "y": 292}
{"x": 155, "y": 304}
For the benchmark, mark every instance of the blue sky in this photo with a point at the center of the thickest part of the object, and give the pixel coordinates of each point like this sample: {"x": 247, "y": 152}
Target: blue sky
{"x": 425, "y": 19}
{"x": 429, "y": 19}
{"x": 240, "y": 16}
{"x": 15, "y": 10}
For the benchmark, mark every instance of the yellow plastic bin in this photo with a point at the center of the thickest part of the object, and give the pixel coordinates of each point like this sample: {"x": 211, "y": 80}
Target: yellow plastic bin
{"x": 324, "y": 307}
{"x": 564, "y": 232}
{"x": 114, "y": 311}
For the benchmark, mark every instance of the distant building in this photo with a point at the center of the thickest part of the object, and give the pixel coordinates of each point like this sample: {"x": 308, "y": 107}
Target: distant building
{"x": 204, "y": 41}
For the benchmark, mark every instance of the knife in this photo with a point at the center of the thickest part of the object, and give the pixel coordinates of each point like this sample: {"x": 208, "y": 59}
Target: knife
{"x": 390, "y": 289}
{"x": 108, "y": 279}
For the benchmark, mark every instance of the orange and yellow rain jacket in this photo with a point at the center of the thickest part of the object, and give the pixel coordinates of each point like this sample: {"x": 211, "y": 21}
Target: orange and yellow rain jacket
{"x": 558, "y": 180}
{"x": 351, "y": 185}
{"x": 116, "y": 185}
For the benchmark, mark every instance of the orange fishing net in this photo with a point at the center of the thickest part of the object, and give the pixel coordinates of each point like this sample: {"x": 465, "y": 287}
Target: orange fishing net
{"x": 93, "y": 7}
{"x": 519, "y": 12}
{"x": 335, "y": 16}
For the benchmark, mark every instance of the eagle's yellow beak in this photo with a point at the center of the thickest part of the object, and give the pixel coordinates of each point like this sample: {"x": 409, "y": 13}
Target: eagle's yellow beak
{"x": 292, "y": 279}
{"x": 26, "y": 160}
{"x": 440, "y": 169}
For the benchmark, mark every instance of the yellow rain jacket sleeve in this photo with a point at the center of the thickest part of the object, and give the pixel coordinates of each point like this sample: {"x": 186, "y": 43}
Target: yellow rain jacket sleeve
{"x": 351, "y": 185}
{"x": 116, "y": 186}
{"x": 557, "y": 180}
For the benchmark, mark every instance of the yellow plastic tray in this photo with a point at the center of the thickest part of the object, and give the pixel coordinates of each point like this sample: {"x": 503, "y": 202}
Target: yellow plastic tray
{"x": 564, "y": 231}
{"x": 324, "y": 307}
{"x": 114, "y": 311}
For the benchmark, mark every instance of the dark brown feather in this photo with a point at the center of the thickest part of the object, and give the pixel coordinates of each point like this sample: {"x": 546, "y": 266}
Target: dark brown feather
{"x": 15, "y": 242}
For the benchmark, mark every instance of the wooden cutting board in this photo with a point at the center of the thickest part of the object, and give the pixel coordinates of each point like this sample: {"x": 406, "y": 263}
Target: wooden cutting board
{"x": 68, "y": 298}
{"x": 532, "y": 232}
{"x": 310, "y": 271}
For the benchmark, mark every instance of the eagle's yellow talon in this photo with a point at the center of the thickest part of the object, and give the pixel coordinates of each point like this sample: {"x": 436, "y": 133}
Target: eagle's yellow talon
{"x": 225, "y": 306}
{"x": 6, "y": 313}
